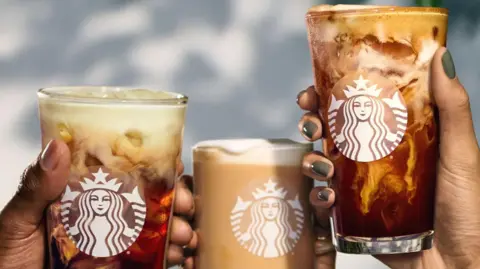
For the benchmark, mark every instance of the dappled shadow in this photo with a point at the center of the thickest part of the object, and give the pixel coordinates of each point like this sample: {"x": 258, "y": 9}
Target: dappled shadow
{"x": 60, "y": 51}
{"x": 242, "y": 71}
{"x": 258, "y": 102}
{"x": 346, "y": 2}
{"x": 214, "y": 13}
{"x": 465, "y": 10}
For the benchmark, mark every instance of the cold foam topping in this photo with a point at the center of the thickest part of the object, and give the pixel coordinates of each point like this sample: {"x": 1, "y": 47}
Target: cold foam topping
{"x": 409, "y": 27}
{"x": 82, "y": 108}
{"x": 114, "y": 116}
{"x": 252, "y": 151}
{"x": 385, "y": 27}
{"x": 322, "y": 8}
{"x": 119, "y": 135}
{"x": 396, "y": 43}
{"x": 342, "y": 8}
{"x": 108, "y": 93}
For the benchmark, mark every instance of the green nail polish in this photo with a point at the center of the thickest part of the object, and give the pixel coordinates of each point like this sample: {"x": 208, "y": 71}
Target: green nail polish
{"x": 309, "y": 129}
{"x": 321, "y": 168}
{"x": 323, "y": 195}
{"x": 448, "y": 66}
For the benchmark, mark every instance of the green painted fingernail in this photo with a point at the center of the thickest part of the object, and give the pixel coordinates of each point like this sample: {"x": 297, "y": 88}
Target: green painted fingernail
{"x": 448, "y": 66}
{"x": 323, "y": 195}
{"x": 309, "y": 129}
{"x": 321, "y": 168}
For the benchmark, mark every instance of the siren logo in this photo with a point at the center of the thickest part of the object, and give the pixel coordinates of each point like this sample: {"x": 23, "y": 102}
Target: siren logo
{"x": 100, "y": 216}
{"x": 270, "y": 225}
{"x": 367, "y": 122}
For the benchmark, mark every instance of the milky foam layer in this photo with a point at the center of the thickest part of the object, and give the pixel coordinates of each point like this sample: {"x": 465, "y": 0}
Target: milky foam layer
{"x": 90, "y": 93}
{"x": 321, "y": 8}
{"x": 82, "y": 107}
{"x": 329, "y": 9}
{"x": 252, "y": 151}
{"x": 121, "y": 135}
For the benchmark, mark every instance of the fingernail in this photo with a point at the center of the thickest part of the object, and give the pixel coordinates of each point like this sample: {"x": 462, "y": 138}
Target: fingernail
{"x": 300, "y": 94}
{"x": 47, "y": 162}
{"x": 321, "y": 168}
{"x": 309, "y": 129}
{"x": 448, "y": 66}
{"x": 323, "y": 195}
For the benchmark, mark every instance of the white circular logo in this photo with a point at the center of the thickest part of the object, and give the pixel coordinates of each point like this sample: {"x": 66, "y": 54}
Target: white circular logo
{"x": 100, "y": 216}
{"x": 366, "y": 121}
{"x": 270, "y": 225}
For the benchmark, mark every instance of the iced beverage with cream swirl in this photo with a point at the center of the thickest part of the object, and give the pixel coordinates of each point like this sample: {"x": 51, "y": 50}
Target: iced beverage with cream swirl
{"x": 125, "y": 147}
{"x": 371, "y": 68}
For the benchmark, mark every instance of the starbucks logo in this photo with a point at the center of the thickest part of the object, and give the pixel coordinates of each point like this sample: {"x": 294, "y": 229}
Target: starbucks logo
{"x": 102, "y": 218}
{"x": 270, "y": 224}
{"x": 366, "y": 121}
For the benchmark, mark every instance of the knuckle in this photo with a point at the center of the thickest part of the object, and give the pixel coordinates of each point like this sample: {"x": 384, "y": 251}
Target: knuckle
{"x": 311, "y": 115}
{"x": 466, "y": 166}
{"x": 319, "y": 154}
{"x": 12, "y": 231}
{"x": 463, "y": 100}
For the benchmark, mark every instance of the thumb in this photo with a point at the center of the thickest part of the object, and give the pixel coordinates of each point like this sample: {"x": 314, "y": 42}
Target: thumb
{"x": 41, "y": 183}
{"x": 457, "y": 134}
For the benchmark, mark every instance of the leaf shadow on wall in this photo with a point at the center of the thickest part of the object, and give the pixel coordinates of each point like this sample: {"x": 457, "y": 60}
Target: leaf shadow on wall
{"x": 272, "y": 82}
{"x": 260, "y": 105}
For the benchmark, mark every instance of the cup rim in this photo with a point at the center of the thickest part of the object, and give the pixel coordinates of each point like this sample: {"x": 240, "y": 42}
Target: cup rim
{"x": 249, "y": 142}
{"x": 60, "y": 93}
{"x": 376, "y": 9}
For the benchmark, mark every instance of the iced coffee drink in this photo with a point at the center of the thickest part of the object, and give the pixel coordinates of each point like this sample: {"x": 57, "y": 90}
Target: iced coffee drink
{"x": 371, "y": 68}
{"x": 125, "y": 148}
{"x": 252, "y": 204}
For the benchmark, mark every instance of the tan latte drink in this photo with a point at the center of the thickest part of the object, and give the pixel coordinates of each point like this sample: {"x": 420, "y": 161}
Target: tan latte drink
{"x": 252, "y": 204}
{"x": 371, "y": 67}
{"x": 125, "y": 148}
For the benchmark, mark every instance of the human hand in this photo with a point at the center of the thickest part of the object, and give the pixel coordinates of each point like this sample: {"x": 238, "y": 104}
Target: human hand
{"x": 22, "y": 222}
{"x": 322, "y": 200}
{"x": 183, "y": 239}
{"x": 457, "y": 215}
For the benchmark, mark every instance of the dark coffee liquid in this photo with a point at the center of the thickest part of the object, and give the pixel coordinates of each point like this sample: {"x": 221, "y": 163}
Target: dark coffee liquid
{"x": 392, "y": 214}
{"x": 380, "y": 123}
{"x": 148, "y": 252}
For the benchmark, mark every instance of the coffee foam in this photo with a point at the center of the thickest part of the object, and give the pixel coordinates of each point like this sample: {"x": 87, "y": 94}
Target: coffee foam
{"x": 386, "y": 26}
{"x": 108, "y": 93}
{"x": 252, "y": 151}
{"x": 78, "y": 106}
{"x": 400, "y": 41}
{"x": 375, "y": 8}
{"x": 322, "y": 8}
{"x": 119, "y": 134}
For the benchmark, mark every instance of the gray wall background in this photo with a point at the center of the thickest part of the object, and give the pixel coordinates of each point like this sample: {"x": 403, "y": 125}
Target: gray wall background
{"x": 241, "y": 62}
